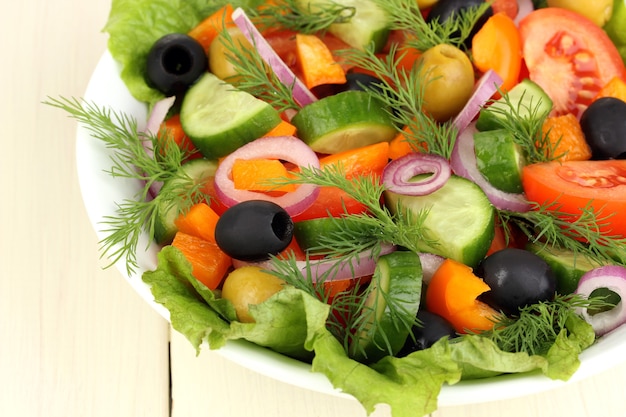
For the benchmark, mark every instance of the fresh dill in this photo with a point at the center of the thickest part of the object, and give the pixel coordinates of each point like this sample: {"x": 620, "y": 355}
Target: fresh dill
{"x": 580, "y": 233}
{"x": 135, "y": 156}
{"x": 302, "y": 16}
{"x": 405, "y": 15}
{"x": 254, "y": 76}
{"x": 536, "y": 328}
{"x": 402, "y": 92}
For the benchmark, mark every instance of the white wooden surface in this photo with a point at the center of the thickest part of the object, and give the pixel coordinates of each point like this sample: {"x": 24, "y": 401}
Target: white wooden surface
{"x": 75, "y": 340}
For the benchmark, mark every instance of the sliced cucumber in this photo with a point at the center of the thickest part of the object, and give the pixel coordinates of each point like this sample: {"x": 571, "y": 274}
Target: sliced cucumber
{"x": 344, "y": 121}
{"x": 527, "y": 99}
{"x": 500, "y": 159}
{"x": 219, "y": 118}
{"x": 568, "y": 266}
{"x": 311, "y": 234}
{"x": 460, "y": 220}
{"x": 198, "y": 170}
{"x": 368, "y": 26}
{"x": 392, "y": 305}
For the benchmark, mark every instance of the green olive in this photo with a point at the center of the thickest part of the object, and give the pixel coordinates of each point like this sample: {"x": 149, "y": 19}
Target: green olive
{"x": 598, "y": 11}
{"x": 449, "y": 81}
{"x": 219, "y": 64}
{"x": 249, "y": 285}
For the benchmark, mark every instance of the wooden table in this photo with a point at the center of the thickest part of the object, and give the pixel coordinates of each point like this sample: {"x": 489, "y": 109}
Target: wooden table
{"x": 76, "y": 340}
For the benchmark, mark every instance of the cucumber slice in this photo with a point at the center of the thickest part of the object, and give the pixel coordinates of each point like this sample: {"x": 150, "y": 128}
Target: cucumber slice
{"x": 527, "y": 98}
{"x": 393, "y": 302}
{"x": 368, "y": 26}
{"x": 499, "y": 159}
{"x": 460, "y": 219}
{"x": 311, "y": 234}
{"x": 219, "y": 119}
{"x": 199, "y": 170}
{"x": 567, "y": 266}
{"x": 344, "y": 121}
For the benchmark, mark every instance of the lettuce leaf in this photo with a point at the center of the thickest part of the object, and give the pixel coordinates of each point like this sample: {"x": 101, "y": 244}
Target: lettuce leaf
{"x": 294, "y": 323}
{"x": 134, "y": 25}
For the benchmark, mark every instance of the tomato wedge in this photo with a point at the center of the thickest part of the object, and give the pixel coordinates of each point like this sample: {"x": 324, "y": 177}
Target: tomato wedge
{"x": 569, "y": 56}
{"x": 576, "y": 184}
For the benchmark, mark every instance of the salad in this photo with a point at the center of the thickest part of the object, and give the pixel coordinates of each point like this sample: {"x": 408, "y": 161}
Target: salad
{"x": 403, "y": 194}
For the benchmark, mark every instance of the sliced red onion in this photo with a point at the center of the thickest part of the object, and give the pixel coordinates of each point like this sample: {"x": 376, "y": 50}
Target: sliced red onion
{"x": 301, "y": 93}
{"x": 156, "y": 117}
{"x": 398, "y": 173}
{"x": 463, "y": 162}
{"x": 362, "y": 265}
{"x": 485, "y": 88}
{"x": 524, "y": 7}
{"x": 286, "y": 148}
{"x": 612, "y": 277}
{"x": 430, "y": 263}
{"x": 158, "y": 114}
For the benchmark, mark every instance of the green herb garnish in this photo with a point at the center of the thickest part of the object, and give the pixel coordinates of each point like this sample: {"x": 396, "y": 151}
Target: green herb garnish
{"x": 406, "y": 16}
{"x": 403, "y": 93}
{"x": 291, "y": 15}
{"x": 136, "y": 156}
{"x": 547, "y": 225}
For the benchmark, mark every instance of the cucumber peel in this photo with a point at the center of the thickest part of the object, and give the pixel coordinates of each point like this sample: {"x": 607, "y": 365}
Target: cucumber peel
{"x": 218, "y": 118}
{"x": 499, "y": 159}
{"x": 392, "y": 303}
{"x": 344, "y": 121}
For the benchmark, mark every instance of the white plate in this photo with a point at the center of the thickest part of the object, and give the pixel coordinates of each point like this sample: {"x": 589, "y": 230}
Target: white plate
{"x": 100, "y": 192}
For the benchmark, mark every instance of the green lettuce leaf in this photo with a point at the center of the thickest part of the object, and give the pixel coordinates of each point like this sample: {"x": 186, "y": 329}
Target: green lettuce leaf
{"x": 294, "y": 323}
{"x": 134, "y": 25}
{"x": 287, "y": 322}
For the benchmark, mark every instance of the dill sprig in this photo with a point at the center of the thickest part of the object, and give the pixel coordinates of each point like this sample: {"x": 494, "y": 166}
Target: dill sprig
{"x": 538, "y": 325}
{"x": 405, "y": 15}
{"x": 549, "y": 226}
{"x": 524, "y": 120}
{"x": 255, "y": 77}
{"x": 363, "y": 231}
{"x": 290, "y": 14}
{"x": 402, "y": 92}
{"x": 135, "y": 156}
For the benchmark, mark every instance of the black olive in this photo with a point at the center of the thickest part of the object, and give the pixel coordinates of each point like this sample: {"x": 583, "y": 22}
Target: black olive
{"x": 253, "y": 230}
{"x": 517, "y": 278}
{"x": 360, "y": 81}
{"x": 444, "y": 10}
{"x": 431, "y": 328}
{"x": 174, "y": 62}
{"x": 604, "y": 126}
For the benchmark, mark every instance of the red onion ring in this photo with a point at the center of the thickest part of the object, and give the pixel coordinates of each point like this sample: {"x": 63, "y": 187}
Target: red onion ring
{"x": 300, "y": 92}
{"x": 398, "y": 173}
{"x": 463, "y": 162}
{"x": 612, "y": 277}
{"x": 485, "y": 88}
{"x": 430, "y": 263}
{"x": 287, "y": 148}
{"x": 157, "y": 116}
{"x": 362, "y": 265}
{"x": 524, "y": 9}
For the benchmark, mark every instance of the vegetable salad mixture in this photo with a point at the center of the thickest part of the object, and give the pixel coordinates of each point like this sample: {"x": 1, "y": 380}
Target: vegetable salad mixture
{"x": 403, "y": 193}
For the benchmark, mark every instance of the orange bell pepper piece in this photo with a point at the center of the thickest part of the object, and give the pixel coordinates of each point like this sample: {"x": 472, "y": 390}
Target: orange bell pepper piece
{"x": 452, "y": 293}
{"x": 498, "y": 46}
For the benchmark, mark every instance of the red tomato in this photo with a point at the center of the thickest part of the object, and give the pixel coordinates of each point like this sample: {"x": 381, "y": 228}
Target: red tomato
{"x": 569, "y": 56}
{"x": 576, "y": 184}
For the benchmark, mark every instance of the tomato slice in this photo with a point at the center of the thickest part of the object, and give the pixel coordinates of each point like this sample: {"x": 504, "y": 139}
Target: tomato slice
{"x": 576, "y": 184}
{"x": 569, "y": 56}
